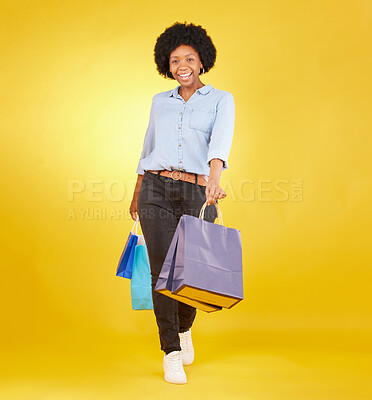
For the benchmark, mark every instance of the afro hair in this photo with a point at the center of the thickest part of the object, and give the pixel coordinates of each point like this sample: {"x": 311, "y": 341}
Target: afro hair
{"x": 188, "y": 34}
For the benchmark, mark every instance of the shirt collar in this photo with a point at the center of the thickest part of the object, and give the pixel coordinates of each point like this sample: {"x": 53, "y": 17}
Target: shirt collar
{"x": 203, "y": 90}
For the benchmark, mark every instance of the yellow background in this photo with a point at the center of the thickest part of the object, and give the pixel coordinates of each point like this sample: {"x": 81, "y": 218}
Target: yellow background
{"x": 77, "y": 78}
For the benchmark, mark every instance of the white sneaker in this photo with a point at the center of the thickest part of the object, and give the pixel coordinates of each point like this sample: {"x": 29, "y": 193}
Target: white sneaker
{"x": 173, "y": 368}
{"x": 187, "y": 349}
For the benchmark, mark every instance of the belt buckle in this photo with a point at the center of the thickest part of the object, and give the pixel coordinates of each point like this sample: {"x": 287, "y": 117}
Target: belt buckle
{"x": 176, "y": 179}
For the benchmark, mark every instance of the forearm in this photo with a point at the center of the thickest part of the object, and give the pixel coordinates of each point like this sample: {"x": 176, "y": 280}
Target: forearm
{"x": 215, "y": 170}
{"x": 138, "y": 186}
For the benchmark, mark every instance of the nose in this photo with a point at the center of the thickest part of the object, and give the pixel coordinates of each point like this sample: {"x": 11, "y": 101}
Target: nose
{"x": 182, "y": 64}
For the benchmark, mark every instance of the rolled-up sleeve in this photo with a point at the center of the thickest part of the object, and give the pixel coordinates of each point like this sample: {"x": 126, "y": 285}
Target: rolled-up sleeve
{"x": 223, "y": 130}
{"x": 149, "y": 140}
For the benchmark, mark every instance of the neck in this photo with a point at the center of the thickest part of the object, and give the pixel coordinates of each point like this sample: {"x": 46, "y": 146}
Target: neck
{"x": 189, "y": 91}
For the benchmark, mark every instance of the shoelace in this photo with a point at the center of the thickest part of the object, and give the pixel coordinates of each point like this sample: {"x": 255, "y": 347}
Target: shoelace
{"x": 184, "y": 341}
{"x": 175, "y": 361}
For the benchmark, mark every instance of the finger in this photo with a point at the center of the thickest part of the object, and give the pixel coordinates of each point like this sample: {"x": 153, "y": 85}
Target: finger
{"x": 212, "y": 193}
{"x": 210, "y": 199}
{"x": 207, "y": 192}
{"x": 216, "y": 195}
{"x": 222, "y": 194}
{"x": 207, "y": 195}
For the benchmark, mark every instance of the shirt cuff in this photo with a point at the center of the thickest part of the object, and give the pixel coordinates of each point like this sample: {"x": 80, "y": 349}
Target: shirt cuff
{"x": 220, "y": 156}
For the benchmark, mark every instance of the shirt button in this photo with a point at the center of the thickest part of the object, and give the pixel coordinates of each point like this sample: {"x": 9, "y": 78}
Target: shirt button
{"x": 198, "y": 91}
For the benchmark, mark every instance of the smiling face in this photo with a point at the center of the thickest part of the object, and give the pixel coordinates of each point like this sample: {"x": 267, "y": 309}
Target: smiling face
{"x": 185, "y": 64}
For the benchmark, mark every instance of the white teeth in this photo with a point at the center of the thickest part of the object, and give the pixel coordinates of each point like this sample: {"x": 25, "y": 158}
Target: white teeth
{"x": 186, "y": 74}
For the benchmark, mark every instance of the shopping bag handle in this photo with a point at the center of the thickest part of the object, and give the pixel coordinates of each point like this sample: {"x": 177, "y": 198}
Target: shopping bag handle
{"x": 219, "y": 213}
{"x": 135, "y": 225}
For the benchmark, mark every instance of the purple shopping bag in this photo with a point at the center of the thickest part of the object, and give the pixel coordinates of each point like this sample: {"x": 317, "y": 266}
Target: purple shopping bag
{"x": 208, "y": 264}
{"x": 165, "y": 279}
{"x": 125, "y": 265}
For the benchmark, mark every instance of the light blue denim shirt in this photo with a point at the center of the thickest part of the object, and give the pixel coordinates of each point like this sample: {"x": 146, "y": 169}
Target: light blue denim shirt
{"x": 186, "y": 136}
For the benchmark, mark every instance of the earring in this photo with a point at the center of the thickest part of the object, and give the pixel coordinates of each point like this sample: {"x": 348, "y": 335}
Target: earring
{"x": 166, "y": 74}
{"x": 203, "y": 72}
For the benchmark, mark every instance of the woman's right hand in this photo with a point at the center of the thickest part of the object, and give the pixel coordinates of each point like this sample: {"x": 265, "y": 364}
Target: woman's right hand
{"x": 133, "y": 208}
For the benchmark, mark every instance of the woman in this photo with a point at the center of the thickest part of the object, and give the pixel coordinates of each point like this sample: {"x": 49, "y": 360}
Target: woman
{"x": 185, "y": 149}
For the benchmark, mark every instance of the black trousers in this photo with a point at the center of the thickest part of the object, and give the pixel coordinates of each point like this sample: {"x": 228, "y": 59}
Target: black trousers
{"x": 161, "y": 203}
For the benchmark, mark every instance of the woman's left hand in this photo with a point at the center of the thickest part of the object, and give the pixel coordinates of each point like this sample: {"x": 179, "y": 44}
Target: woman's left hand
{"x": 213, "y": 191}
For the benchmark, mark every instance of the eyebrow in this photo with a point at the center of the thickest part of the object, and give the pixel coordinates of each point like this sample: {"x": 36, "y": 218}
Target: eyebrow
{"x": 190, "y": 54}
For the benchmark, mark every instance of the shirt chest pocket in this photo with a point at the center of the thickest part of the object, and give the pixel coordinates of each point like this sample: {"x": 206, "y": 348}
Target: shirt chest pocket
{"x": 201, "y": 120}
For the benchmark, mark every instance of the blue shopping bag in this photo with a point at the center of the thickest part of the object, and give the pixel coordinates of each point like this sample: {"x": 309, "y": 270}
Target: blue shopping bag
{"x": 125, "y": 265}
{"x": 140, "y": 285}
